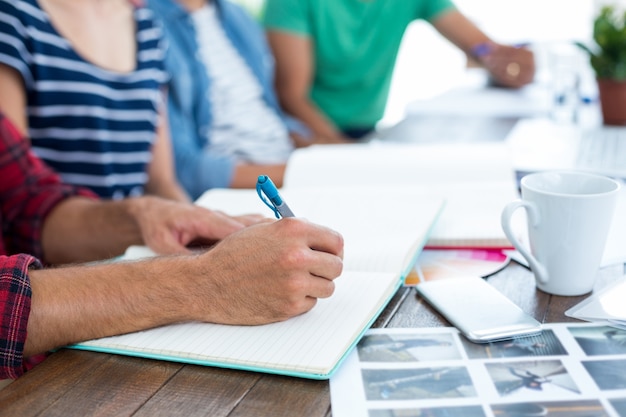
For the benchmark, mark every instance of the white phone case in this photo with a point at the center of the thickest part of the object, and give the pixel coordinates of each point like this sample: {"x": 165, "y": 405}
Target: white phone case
{"x": 480, "y": 312}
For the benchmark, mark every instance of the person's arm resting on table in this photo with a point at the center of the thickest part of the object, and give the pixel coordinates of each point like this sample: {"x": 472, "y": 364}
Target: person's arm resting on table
{"x": 294, "y": 74}
{"x": 162, "y": 179}
{"x": 264, "y": 273}
{"x": 79, "y": 229}
{"x": 510, "y": 66}
{"x": 267, "y": 272}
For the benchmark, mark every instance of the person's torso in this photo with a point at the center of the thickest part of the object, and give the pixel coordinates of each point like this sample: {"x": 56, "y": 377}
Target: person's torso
{"x": 355, "y": 45}
{"x": 94, "y": 126}
{"x": 243, "y": 125}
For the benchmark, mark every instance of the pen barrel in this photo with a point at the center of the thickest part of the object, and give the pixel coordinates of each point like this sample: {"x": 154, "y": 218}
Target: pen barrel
{"x": 285, "y": 211}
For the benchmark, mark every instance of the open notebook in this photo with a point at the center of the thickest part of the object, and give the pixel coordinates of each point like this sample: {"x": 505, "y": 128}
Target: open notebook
{"x": 384, "y": 231}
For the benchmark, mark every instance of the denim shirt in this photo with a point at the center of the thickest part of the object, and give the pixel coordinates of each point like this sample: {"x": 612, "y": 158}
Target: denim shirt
{"x": 189, "y": 108}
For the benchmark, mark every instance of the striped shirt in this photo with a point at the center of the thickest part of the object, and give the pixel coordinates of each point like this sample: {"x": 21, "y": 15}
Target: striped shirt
{"x": 243, "y": 125}
{"x": 94, "y": 126}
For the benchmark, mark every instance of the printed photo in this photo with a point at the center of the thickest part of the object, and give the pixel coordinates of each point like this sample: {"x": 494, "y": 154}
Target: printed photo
{"x": 415, "y": 384}
{"x": 544, "y": 344}
{"x": 600, "y": 340}
{"x": 591, "y": 408}
{"x": 467, "y": 411}
{"x": 609, "y": 374}
{"x": 531, "y": 379}
{"x": 619, "y": 404}
{"x": 407, "y": 348}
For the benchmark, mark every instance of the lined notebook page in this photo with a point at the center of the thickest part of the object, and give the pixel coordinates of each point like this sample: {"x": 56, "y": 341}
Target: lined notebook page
{"x": 308, "y": 345}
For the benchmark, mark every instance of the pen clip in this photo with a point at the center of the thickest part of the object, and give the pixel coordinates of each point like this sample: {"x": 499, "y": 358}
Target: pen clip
{"x": 266, "y": 201}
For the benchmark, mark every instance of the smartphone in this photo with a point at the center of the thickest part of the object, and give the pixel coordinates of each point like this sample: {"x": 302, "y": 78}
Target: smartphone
{"x": 480, "y": 312}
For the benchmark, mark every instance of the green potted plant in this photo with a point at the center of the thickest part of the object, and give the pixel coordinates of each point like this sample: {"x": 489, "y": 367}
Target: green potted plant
{"x": 608, "y": 60}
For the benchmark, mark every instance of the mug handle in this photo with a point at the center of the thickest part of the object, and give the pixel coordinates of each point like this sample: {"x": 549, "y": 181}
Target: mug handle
{"x": 533, "y": 221}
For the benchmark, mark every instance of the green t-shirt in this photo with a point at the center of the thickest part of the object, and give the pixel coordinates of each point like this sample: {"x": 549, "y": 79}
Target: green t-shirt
{"x": 355, "y": 47}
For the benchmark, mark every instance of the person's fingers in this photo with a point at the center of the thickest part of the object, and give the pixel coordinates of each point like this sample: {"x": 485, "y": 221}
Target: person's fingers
{"x": 213, "y": 225}
{"x": 165, "y": 242}
{"x": 325, "y": 265}
{"x": 320, "y": 287}
{"x": 306, "y": 305}
{"x": 174, "y": 231}
{"x": 326, "y": 255}
{"x": 250, "y": 219}
{"x": 323, "y": 239}
{"x": 511, "y": 66}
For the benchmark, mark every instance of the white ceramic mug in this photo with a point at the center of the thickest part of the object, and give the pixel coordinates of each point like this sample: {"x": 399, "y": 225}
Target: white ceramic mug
{"x": 569, "y": 215}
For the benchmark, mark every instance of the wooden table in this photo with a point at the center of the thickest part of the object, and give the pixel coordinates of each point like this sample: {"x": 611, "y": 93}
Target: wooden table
{"x": 79, "y": 383}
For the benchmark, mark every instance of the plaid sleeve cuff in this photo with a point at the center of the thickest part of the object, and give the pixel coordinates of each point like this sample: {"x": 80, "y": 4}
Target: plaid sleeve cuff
{"x": 15, "y": 298}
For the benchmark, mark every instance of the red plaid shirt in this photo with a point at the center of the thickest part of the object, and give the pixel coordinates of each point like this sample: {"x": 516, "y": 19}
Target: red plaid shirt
{"x": 29, "y": 190}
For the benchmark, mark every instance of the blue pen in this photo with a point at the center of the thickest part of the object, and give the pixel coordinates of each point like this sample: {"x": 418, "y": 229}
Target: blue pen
{"x": 264, "y": 185}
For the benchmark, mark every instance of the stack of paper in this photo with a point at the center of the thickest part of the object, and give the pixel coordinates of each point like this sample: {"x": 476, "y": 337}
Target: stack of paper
{"x": 607, "y": 306}
{"x": 477, "y": 180}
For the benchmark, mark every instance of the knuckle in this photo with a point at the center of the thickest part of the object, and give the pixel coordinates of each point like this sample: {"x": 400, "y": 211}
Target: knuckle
{"x": 294, "y": 287}
{"x": 339, "y": 241}
{"x": 338, "y": 268}
{"x": 329, "y": 289}
{"x": 294, "y": 307}
{"x": 295, "y": 257}
{"x": 292, "y": 224}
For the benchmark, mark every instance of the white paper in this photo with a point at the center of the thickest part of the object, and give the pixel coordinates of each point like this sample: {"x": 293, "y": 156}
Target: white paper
{"x": 476, "y": 180}
{"x": 478, "y": 100}
{"x": 568, "y": 370}
{"x": 607, "y": 305}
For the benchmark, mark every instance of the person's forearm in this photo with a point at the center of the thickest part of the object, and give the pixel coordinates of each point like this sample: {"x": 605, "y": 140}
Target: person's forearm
{"x": 162, "y": 180}
{"x": 80, "y": 229}
{"x": 313, "y": 118}
{"x": 459, "y": 30}
{"x": 13, "y": 98}
{"x": 170, "y": 190}
{"x": 509, "y": 66}
{"x": 263, "y": 273}
{"x": 86, "y": 302}
{"x": 295, "y": 71}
